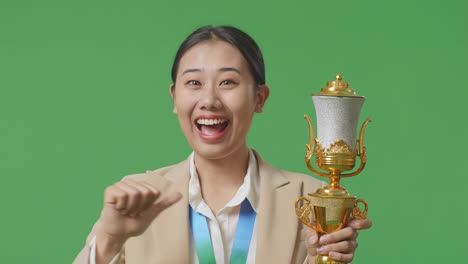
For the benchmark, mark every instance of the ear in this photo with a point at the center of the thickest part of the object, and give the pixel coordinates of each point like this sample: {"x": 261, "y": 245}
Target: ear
{"x": 172, "y": 93}
{"x": 262, "y": 96}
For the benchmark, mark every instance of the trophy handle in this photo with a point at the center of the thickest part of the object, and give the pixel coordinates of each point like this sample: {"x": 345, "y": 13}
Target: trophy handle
{"x": 361, "y": 150}
{"x": 311, "y": 149}
{"x": 303, "y": 211}
{"x": 357, "y": 212}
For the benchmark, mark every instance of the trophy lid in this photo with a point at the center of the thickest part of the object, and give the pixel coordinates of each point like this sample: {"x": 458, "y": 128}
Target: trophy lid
{"x": 338, "y": 87}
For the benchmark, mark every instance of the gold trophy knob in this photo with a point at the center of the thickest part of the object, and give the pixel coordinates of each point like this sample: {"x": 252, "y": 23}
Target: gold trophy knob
{"x": 338, "y": 87}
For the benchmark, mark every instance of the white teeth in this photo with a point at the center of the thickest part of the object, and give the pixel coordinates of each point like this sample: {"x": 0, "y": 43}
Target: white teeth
{"x": 210, "y": 122}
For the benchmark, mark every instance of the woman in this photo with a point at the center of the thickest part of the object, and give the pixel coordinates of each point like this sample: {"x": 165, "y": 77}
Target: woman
{"x": 189, "y": 212}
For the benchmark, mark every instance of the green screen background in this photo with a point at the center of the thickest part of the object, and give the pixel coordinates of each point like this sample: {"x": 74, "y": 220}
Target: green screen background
{"x": 84, "y": 101}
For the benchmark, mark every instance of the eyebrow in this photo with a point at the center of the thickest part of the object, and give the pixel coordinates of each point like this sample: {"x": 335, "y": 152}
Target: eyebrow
{"x": 191, "y": 70}
{"x": 224, "y": 69}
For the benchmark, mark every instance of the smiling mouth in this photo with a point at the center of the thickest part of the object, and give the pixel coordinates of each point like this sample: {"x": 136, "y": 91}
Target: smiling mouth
{"x": 211, "y": 127}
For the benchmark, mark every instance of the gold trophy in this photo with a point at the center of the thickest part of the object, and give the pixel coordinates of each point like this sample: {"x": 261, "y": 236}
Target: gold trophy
{"x": 335, "y": 149}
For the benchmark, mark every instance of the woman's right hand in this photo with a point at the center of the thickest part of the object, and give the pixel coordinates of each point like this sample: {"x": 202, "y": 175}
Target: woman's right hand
{"x": 129, "y": 208}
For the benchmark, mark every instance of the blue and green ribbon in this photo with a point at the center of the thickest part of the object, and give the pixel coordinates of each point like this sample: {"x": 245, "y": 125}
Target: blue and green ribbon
{"x": 242, "y": 238}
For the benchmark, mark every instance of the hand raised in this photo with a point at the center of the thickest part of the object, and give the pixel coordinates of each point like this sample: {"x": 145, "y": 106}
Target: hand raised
{"x": 129, "y": 208}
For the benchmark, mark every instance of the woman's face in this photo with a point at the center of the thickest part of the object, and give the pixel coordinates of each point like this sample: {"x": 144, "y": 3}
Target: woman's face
{"x": 215, "y": 98}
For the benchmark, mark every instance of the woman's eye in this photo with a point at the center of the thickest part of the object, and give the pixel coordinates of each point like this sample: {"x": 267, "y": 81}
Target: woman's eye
{"x": 227, "y": 82}
{"x": 193, "y": 83}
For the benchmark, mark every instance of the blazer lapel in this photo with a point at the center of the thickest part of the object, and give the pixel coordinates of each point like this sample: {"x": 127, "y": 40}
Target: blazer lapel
{"x": 278, "y": 224}
{"x": 171, "y": 230}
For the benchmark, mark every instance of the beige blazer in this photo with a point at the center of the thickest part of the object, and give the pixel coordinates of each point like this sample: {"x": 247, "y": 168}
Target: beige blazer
{"x": 166, "y": 241}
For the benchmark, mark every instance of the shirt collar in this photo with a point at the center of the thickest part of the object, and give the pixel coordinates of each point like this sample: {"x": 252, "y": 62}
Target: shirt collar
{"x": 248, "y": 189}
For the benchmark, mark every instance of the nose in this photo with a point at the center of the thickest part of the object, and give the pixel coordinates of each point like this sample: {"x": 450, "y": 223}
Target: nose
{"x": 210, "y": 98}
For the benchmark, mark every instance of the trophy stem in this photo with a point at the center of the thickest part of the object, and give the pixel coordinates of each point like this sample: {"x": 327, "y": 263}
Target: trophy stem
{"x": 334, "y": 188}
{"x": 335, "y": 182}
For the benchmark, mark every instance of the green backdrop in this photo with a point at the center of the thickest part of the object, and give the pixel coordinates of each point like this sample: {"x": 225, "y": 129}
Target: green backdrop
{"x": 84, "y": 101}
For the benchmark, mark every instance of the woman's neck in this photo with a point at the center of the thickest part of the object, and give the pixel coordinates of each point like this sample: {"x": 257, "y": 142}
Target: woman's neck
{"x": 221, "y": 178}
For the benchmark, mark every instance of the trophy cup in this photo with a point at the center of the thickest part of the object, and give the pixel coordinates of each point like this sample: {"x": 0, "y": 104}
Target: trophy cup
{"x": 335, "y": 149}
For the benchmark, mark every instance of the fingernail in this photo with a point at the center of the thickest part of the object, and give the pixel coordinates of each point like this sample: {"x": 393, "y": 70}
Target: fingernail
{"x": 320, "y": 250}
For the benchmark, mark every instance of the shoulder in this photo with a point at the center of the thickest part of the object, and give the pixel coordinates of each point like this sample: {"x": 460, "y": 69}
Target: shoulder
{"x": 296, "y": 176}
{"x": 309, "y": 182}
{"x": 163, "y": 176}
{"x": 161, "y": 172}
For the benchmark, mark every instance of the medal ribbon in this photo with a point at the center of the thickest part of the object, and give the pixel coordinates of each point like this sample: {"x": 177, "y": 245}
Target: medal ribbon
{"x": 242, "y": 238}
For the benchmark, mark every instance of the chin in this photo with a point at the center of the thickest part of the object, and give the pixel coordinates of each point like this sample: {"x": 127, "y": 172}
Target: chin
{"x": 214, "y": 151}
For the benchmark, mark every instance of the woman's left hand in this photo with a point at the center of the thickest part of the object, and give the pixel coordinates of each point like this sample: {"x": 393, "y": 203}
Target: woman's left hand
{"x": 339, "y": 245}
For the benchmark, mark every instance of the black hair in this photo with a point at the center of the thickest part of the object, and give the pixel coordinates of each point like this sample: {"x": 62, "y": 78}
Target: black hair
{"x": 234, "y": 36}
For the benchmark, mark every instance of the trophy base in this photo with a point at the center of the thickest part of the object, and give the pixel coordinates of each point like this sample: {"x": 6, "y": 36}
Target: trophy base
{"x": 327, "y": 260}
